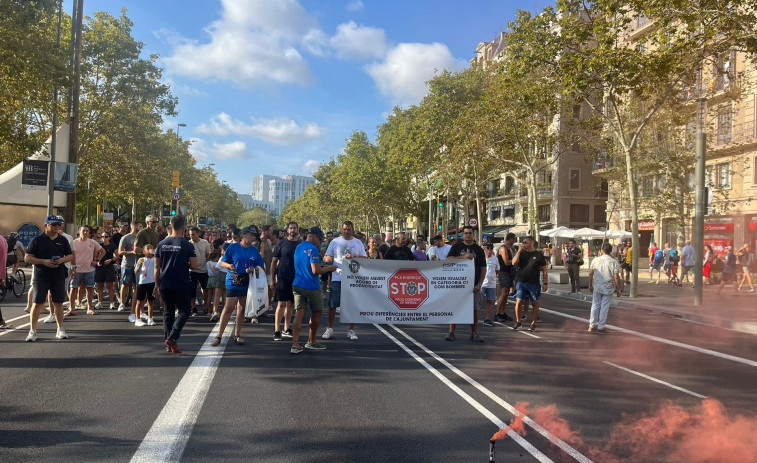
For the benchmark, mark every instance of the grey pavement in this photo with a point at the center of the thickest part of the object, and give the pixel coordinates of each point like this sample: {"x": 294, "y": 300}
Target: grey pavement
{"x": 729, "y": 309}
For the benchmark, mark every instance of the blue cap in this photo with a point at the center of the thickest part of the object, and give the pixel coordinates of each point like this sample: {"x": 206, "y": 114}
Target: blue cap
{"x": 54, "y": 219}
{"x": 316, "y": 231}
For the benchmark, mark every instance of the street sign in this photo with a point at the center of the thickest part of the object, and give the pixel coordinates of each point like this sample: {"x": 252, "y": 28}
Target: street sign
{"x": 175, "y": 178}
{"x": 176, "y": 196}
{"x": 473, "y": 222}
{"x": 408, "y": 288}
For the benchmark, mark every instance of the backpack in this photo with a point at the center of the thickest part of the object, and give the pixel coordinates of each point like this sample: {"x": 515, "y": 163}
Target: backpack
{"x": 673, "y": 255}
{"x": 658, "y": 257}
{"x": 11, "y": 244}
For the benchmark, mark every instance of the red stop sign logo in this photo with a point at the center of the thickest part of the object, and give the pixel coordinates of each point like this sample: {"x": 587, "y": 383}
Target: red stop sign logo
{"x": 408, "y": 288}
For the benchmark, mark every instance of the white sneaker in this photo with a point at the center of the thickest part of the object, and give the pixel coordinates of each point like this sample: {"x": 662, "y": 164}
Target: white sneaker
{"x": 140, "y": 323}
{"x": 112, "y": 306}
{"x": 121, "y": 307}
{"x": 143, "y": 316}
{"x": 32, "y": 336}
{"x": 351, "y": 334}
{"x": 132, "y": 318}
{"x": 98, "y": 305}
{"x": 27, "y": 309}
{"x": 50, "y": 319}
{"x": 61, "y": 334}
{"x": 150, "y": 322}
{"x": 328, "y": 333}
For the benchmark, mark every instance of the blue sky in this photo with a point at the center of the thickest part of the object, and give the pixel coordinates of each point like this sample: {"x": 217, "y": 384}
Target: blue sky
{"x": 277, "y": 86}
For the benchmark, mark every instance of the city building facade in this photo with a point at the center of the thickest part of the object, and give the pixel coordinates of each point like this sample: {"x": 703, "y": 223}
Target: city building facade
{"x": 272, "y": 193}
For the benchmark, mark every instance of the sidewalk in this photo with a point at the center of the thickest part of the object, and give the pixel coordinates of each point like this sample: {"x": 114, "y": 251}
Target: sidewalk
{"x": 736, "y": 311}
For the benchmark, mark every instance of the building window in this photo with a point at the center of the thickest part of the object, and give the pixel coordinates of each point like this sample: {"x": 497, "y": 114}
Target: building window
{"x": 723, "y": 172}
{"x": 509, "y": 212}
{"x": 600, "y": 214}
{"x": 495, "y": 213}
{"x": 725, "y": 125}
{"x": 579, "y": 213}
{"x": 575, "y": 179}
{"x": 545, "y": 211}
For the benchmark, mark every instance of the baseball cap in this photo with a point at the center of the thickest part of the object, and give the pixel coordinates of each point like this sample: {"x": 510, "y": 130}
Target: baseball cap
{"x": 488, "y": 245}
{"x": 316, "y": 231}
{"x": 54, "y": 219}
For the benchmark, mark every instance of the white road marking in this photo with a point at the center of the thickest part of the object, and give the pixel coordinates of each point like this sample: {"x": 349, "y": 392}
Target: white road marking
{"x": 480, "y": 408}
{"x": 169, "y": 434}
{"x": 678, "y": 388}
{"x": 701, "y": 350}
{"x": 523, "y": 331}
{"x": 534, "y": 425}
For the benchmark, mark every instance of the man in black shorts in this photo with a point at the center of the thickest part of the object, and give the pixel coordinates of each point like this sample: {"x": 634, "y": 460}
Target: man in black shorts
{"x": 506, "y": 276}
{"x": 48, "y": 252}
{"x": 282, "y": 277}
{"x": 531, "y": 266}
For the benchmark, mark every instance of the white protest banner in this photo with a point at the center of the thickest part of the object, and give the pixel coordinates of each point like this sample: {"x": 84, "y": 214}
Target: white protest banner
{"x": 407, "y": 292}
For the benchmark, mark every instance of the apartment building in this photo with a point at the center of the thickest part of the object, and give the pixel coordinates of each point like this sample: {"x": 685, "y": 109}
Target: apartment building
{"x": 568, "y": 193}
{"x": 272, "y": 193}
{"x": 729, "y": 84}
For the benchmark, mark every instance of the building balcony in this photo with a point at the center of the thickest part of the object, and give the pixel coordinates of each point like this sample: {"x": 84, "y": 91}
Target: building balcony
{"x": 601, "y": 163}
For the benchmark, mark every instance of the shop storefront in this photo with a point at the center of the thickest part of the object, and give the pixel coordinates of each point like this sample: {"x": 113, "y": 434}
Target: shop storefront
{"x": 718, "y": 234}
{"x": 646, "y": 234}
{"x": 751, "y": 232}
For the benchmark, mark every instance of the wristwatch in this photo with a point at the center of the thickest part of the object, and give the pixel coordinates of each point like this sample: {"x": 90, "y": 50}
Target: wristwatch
{"x": 73, "y": 266}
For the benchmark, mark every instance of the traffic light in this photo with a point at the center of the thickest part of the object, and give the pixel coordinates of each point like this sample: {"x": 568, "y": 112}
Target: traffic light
{"x": 175, "y": 178}
{"x": 166, "y": 210}
{"x": 174, "y": 207}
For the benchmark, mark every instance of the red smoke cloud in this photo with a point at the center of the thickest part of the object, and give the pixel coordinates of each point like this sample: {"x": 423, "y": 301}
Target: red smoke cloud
{"x": 706, "y": 433}
{"x": 516, "y": 424}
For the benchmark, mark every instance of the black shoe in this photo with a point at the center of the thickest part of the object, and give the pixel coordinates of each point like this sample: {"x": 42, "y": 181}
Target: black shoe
{"x": 532, "y": 328}
{"x": 516, "y": 326}
{"x": 507, "y": 318}
{"x": 488, "y": 322}
{"x": 277, "y": 335}
{"x": 538, "y": 319}
{"x": 287, "y": 333}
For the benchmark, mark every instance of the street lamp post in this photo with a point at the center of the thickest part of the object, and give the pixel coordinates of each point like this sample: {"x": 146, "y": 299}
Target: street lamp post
{"x": 178, "y": 127}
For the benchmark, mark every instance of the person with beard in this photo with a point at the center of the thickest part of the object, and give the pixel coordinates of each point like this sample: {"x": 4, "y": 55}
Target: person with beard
{"x": 282, "y": 277}
{"x": 399, "y": 251}
{"x": 530, "y": 263}
{"x": 467, "y": 248}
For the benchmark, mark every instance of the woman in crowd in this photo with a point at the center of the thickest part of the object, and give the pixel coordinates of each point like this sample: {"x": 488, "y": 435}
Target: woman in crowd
{"x": 373, "y": 249}
{"x": 707, "y": 265}
{"x": 105, "y": 272}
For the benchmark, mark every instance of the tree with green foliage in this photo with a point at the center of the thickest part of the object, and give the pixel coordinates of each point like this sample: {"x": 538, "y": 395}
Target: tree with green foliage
{"x": 257, "y": 216}
{"x": 32, "y": 65}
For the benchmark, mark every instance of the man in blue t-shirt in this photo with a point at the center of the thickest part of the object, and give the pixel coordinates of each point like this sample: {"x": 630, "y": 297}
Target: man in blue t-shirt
{"x": 174, "y": 258}
{"x": 307, "y": 288}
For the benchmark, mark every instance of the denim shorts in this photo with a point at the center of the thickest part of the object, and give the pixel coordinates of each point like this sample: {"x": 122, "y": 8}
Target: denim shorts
{"x": 87, "y": 278}
{"x": 528, "y": 291}
{"x": 489, "y": 294}
{"x": 335, "y": 294}
{"x": 127, "y": 276}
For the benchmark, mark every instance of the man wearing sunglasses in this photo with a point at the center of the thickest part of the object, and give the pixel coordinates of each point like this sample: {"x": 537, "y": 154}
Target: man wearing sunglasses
{"x": 48, "y": 252}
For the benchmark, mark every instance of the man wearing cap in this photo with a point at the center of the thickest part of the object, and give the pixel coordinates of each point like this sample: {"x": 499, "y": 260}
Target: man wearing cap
{"x": 147, "y": 236}
{"x": 48, "y": 252}
{"x": 307, "y": 288}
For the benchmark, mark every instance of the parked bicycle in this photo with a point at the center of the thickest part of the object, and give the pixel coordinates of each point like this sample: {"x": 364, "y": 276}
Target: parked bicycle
{"x": 15, "y": 282}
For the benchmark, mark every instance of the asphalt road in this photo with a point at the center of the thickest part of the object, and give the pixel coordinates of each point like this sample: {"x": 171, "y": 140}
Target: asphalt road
{"x": 399, "y": 393}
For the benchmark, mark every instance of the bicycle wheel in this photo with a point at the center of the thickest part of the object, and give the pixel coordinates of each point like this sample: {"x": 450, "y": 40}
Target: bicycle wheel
{"x": 19, "y": 283}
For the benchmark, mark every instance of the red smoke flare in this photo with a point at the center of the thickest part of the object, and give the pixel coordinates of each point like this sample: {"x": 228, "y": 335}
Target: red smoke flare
{"x": 516, "y": 424}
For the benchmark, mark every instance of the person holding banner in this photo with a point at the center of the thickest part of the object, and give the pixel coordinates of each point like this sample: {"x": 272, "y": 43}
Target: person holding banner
{"x": 343, "y": 247}
{"x": 307, "y": 288}
{"x": 468, "y": 249}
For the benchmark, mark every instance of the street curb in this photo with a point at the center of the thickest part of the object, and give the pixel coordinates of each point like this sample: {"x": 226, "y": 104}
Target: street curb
{"x": 742, "y": 327}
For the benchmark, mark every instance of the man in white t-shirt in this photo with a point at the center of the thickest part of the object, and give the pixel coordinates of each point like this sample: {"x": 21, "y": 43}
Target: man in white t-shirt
{"x": 489, "y": 286}
{"x": 343, "y": 247}
{"x": 439, "y": 250}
